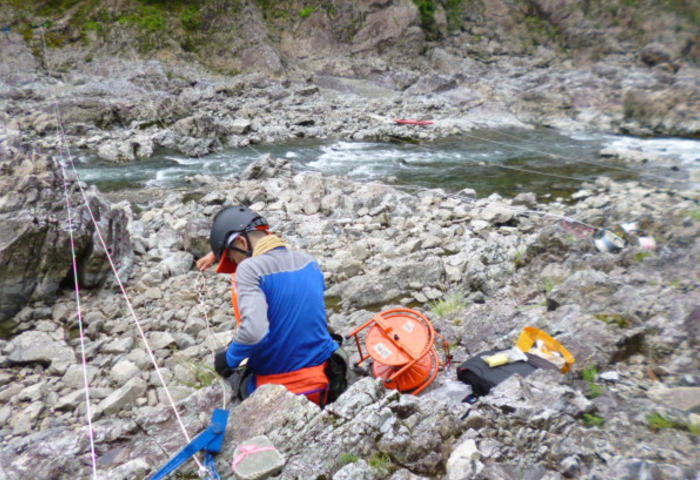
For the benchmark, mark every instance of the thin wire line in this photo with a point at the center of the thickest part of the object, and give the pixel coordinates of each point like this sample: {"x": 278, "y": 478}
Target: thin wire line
{"x": 111, "y": 262}
{"x": 527, "y": 170}
{"x": 202, "y": 293}
{"x": 555, "y": 155}
{"x": 76, "y": 283}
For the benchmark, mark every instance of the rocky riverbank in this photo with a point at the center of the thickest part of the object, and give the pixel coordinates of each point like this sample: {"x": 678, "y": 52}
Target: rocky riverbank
{"x": 630, "y": 319}
{"x": 123, "y": 79}
{"x": 496, "y": 66}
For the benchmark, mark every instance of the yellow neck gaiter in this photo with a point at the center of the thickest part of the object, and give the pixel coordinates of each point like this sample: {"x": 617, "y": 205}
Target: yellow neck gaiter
{"x": 268, "y": 243}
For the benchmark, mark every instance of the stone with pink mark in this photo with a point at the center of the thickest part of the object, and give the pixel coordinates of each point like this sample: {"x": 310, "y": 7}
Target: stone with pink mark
{"x": 256, "y": 459}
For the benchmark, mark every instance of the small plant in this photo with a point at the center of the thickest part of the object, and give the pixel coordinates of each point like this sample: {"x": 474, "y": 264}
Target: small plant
{"x": 305, "y": 12}
{"x": 381, "y": 462}
{"x": 548, "y": 284}
{"x": 656, "y": 421}
{"x": 695, "y": 215}
{"x": 203, "y": 374}
{"x": 615, "y": 319}
{"x": 590, "y": 420}
{"x": 590, "y": 374}
{"x": 346, "y": 458}
{"x": 149, "y": 18}
{"x": 191, "y": 18}
{"x": 640, "y": 256}
{"x": 595, "y": 390}
{"x": 519, "y": 258}
{"x": 453, "y": 302}
{"x": 94, "y": 26}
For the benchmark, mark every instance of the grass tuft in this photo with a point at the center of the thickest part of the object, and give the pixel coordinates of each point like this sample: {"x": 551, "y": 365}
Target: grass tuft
{"x": 656, "y": 421}
{"x": 453, "y": 302}
{"x": 306, "y": 12}
{"x": 590, "y": 420}
{"x": 590, "y": 374}
{"x": 381, "y": 462}
{"x": 346, "y": 458}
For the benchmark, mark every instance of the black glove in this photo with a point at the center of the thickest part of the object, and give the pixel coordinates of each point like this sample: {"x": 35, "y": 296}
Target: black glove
{"x": 221, "y": 365}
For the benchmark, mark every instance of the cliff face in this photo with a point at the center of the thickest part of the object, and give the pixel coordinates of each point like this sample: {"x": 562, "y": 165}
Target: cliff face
{"x": 359, "y": 37}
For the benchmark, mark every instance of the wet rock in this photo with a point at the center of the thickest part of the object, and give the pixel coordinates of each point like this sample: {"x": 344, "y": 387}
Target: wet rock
{"x": 268, "y": 167}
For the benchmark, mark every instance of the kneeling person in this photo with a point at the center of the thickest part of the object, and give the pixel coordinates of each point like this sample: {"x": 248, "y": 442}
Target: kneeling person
{"x": 283, "y": 331}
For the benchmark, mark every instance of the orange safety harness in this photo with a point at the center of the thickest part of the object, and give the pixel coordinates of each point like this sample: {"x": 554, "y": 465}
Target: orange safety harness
{"x": 234, "y": 299}
{"x": 310, "y": 381}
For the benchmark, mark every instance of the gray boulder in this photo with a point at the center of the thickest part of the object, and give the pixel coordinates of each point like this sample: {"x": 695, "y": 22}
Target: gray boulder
{"x": 39, "y": 347}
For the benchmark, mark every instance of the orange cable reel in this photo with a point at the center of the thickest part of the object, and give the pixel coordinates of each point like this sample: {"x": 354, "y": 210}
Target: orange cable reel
{"x": 401, "y": 345}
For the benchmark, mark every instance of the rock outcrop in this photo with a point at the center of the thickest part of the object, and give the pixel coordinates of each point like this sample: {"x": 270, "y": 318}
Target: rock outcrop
{"x": 35, "y": 248}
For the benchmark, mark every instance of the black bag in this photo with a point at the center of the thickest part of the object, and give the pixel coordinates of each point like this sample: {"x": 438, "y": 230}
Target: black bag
{"x": 337, "y": 373}
{"x": 482, "y": 378}
{"x": 238, "y": 381}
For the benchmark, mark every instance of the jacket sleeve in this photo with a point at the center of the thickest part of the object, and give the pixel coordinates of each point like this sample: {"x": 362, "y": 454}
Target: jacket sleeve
{"x": 254, "y": 321}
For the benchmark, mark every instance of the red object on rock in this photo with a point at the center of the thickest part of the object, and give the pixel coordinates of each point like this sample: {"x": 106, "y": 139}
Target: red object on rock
{"x": 408, "y": 121}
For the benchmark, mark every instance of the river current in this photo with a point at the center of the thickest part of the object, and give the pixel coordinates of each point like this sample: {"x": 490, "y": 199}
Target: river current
{"x": 507, "y": 161}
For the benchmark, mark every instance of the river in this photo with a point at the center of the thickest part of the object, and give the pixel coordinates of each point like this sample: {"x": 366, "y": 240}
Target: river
{"x": 507, "y": 161}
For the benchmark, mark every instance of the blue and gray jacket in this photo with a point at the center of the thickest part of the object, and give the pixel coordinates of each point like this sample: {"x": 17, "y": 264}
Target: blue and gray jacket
{"x": 283, "y": 314}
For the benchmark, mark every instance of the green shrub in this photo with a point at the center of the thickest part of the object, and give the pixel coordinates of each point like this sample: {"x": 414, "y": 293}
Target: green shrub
{"x": 191, "y": 18}
{"x": 548, "y": 284}
{"x": 204, "y": 375}
{"x": 149, "y": 18}
{"x": 94, "y": 26}
{"x": 615, "y": 319}
{"x": 640, "y": 256}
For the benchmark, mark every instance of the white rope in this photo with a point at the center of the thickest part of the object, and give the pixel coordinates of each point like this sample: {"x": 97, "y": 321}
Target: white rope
{"x": 76, "y": 284}
{"x": 202, "y": 293}
{"x": 111, "y": 262}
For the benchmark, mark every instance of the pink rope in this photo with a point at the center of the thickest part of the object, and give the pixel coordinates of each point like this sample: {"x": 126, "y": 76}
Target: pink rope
{"x": 88, "y": 410}
{"x": 119, "y": 282}
{"x": 247, "y": 450}
{"x": 122, "y": 288}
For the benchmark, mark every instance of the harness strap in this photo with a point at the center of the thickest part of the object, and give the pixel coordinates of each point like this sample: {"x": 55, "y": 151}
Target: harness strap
{"x": 310, "y": 381}
{"x": 234, "y": 299}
